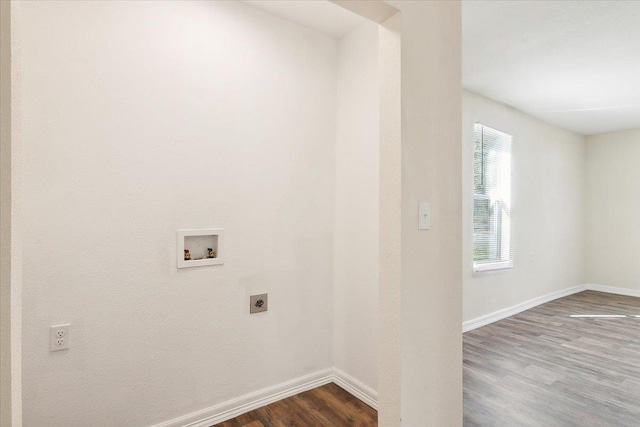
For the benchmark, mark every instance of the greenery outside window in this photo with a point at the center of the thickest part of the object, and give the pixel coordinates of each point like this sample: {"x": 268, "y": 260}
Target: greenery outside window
{"x": 492, "y": 163}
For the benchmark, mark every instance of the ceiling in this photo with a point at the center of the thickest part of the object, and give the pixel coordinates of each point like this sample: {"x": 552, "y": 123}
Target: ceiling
{"x": 574, "y": 64}
{"x": 320, "y": 15}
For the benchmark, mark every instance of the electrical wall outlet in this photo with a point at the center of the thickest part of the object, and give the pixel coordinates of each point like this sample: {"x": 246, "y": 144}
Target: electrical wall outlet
{"x": 59, "y": 337}
{"x": 258, "y": 303}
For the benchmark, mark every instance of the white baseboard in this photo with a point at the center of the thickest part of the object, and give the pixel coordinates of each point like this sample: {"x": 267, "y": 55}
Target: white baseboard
{"x": 356, "y": 388}
{"x": 472, "y": 324}
{"x": 614, "y": 290}
{"x": 249, "y": 402}
{"x": 232, "y": 408}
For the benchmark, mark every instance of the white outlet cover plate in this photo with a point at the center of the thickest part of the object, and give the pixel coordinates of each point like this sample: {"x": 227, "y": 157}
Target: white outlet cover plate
{"x": 59, "y": 337}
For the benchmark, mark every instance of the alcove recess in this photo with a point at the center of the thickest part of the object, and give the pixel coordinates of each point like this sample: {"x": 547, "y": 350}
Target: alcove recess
{"x": 198, "y": 242}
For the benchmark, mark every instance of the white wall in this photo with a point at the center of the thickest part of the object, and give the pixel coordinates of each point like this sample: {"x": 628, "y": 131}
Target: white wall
{"x": 548, "y": 206}
{"x": 10, "y": 221}
{"x": 390, "y": 215}
{"x": 357, "y": 203}
{"x": 142, "y": 118}
{"x": 612, "y": 209}
{"x": 121, "y": 80}
{"x": 431, "y": 171}
{"x": 5, "y": 214}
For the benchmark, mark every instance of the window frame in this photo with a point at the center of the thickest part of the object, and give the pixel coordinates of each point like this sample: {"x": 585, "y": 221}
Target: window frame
{"x": 480, "y": 267}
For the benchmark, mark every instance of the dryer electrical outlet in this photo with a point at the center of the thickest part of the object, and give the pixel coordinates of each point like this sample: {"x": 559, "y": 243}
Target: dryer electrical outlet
{"x": 258, "y": 303}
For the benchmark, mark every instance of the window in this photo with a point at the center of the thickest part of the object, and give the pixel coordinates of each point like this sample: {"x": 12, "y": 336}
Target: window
{"x": 492, "y": 246}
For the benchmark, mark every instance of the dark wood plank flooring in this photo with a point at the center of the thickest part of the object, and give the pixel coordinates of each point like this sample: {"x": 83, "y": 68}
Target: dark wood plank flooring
{"x": 544, "y": 368}
{"x": 328, "y": 405}
{"x": 539, "y": 368}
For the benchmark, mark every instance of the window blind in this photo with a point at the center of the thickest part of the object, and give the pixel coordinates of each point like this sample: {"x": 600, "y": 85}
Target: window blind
{"x": 492, "y": 184}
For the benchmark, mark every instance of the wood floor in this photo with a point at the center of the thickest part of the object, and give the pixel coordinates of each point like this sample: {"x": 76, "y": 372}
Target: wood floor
{"x": 328, "y": 405}
{"x": 539, "y": 368}
{"x": 545, "y": 368}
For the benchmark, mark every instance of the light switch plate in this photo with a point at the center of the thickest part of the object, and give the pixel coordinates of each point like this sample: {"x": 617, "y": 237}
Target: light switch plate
{"x": 258, "y": 303}
{"x": 424, "y": 216}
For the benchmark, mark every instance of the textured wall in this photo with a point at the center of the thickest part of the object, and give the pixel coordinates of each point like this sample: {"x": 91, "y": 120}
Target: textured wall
{"x": 357, "y": 203}
{"x": 431, "y": 171}
{"x": 142, "y": 118}
{"x": 547, "y": 214}
{"x": 390, "y": 44}
{"x": 5, "y": 214}
{"x": 612, "y": 207}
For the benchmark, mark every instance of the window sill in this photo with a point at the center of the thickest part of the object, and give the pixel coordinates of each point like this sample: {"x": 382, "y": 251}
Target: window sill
{"x": 479, "y": 268}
